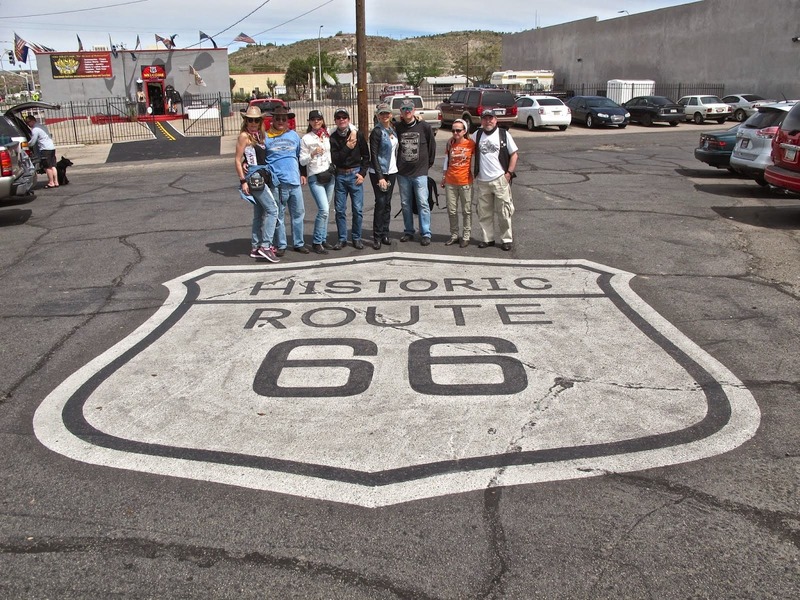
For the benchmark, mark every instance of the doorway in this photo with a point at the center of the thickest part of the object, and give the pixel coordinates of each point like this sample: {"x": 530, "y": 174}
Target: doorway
{"x": 155, "y": 94}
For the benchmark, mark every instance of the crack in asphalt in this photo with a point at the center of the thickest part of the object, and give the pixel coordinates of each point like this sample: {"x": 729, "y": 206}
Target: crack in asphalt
{"x": 782, "y": 524}
{"x": 206, "y": 557}
{"x": 62, "y": 340}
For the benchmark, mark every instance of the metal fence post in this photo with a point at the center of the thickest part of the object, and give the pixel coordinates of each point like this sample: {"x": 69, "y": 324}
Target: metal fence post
{"x": 110, "y": 120}
{"x": 74, "y": 124}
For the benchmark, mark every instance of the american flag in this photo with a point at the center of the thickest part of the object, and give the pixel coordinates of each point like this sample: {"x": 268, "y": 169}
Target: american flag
{"x": 243, "y": 37}
{"x": 20, "y": 49}
{"x": 80, "y": 43}
{"x": 169, "y": 42}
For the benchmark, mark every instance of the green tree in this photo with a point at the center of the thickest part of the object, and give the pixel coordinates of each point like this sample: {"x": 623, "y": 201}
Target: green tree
{"x": 298, "y": 75}
{"x": 417, "y": 65}
{"x": 479, "y": 64}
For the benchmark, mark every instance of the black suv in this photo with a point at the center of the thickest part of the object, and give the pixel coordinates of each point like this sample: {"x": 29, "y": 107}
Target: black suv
{"x": 469, "y": 103}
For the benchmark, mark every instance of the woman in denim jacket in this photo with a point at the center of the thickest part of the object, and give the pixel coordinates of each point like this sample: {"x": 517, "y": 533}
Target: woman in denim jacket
{"x": 315, "y": 156}
{"x": 383, "y": 172}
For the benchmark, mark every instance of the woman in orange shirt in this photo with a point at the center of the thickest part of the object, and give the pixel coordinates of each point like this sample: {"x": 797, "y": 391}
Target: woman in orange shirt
{"x": 457, "y": 181}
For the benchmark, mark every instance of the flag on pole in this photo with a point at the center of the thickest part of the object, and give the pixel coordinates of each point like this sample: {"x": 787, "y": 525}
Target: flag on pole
{"x": 136, "y": 49}
{"x": 197, "y": 79}
{"x": 205, "y": 36}
{"x": 169, "y": 43}
{"x": 80, "y": 43}
{"x": 112, "y": 46}
{"x": 242, "y": 37}
{"x": 20, "y": 49}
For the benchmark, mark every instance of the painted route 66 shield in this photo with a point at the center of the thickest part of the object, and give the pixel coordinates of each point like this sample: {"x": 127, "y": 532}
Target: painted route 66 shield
{"x": 397, "y": 377}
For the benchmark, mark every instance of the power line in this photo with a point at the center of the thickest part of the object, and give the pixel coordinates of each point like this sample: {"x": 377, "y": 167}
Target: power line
{"x": 66, "y": 12}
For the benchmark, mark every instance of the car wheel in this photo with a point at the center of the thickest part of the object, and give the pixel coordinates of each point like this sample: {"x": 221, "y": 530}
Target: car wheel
{"x": 589, "y": 121}
{"x": 470, "y": 126}
{"x": 647, "y": 120}
{"x": 673, "y": 123}
{"x": 698, "y": 118}
{"x": 740, "y": 115}
{"x": 531, "y": 124}
{"x": 623, "y": 126}
{"x": 761, "y": 181}
{"x": 562, "y": 127}
{"x": 721, "y": 121}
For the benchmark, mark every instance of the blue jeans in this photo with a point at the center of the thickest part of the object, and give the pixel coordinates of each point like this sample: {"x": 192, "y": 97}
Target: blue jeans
{"x": 291, "y": 197}
{"x": 265, "y": 216}
{"x": 346, "y": 184}
{"x": 410, "y": 187}
{"x": 323, "y": 195}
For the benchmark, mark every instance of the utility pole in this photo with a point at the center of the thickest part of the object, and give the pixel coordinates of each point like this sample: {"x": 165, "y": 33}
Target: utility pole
{"x": 361, "y": 61}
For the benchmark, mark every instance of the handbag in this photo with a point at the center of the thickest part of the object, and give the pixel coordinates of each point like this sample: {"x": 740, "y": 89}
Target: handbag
{"x": 324, "y": 177}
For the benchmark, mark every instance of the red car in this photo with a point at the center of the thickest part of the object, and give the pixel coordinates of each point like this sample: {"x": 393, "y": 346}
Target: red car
{"x": 267, "y": 105}
{"x": 785, "y": 170}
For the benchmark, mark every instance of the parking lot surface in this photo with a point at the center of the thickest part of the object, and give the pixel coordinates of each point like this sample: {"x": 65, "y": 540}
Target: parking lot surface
{"x": 606, "y": 411}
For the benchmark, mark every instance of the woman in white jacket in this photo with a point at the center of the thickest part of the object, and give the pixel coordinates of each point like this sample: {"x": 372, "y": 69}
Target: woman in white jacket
{"x": 315, "y": 156}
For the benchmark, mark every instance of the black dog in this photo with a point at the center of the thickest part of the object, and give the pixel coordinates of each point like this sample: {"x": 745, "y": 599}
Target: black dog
{"x": 61, "y": 170}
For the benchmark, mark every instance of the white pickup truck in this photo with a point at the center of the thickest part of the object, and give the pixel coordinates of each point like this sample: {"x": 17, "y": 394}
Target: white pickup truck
{"x": 432, "y": 116}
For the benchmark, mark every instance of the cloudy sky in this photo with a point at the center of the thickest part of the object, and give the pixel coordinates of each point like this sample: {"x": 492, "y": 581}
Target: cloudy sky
{"x": 57, "y": 24}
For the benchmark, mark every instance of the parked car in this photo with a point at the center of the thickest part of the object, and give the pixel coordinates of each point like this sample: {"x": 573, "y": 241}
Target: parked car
{"x": 267, "y": 105}
{"x": 654, "y": 109}
{"x": 700, "y": 107}
{"x": 432, "y": 116}
{"x": 396, "y": 89}
{"x": 598, "y": 110}
{"x": 744, "y": 105}
{"x": 715, "y": 147}
{"x": 785, "y": 170}
{"x": 469, "y": 103}
{"x": 16, "y": 117}
{"x": 17, "y": 173}
{"x": 542, "y": 111}
{"x": 752, "y": 153}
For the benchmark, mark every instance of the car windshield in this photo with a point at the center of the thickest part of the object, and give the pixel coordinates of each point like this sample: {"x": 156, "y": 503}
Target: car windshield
{"x": 752, "y": 97}
{"x": 267, "y": 106}
{"x": 791, "y": 123}
{"x": 497, "y": 99}
{"x": 601, "y": 103}
{"x": 710, "y": 100}
{"x": 765, "y": 118}
{"x": 549, "y": 102}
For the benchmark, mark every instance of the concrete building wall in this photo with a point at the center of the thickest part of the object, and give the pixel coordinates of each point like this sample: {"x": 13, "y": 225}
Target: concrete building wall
{"x": 210, "y": 64}
{"x": 247, "y": 82}
{"x": 745, "y": 45}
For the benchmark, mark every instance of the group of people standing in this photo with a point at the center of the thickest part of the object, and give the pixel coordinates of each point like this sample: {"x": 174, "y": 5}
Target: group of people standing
{"x": 273, "y": 164}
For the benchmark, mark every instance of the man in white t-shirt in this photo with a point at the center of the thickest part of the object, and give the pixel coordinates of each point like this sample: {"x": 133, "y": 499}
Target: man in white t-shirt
{"x": 495, "y": 162}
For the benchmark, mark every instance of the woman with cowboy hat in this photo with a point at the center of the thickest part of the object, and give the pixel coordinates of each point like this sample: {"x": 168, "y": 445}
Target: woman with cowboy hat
{"x": 315, "y": 156}
{"x": 251, "y": 159}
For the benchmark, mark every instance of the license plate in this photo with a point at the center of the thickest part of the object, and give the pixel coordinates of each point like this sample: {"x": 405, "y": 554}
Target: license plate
{"x": 556, "y": 112}
{"x": 720, "y": 110}
{"x": 790, "y": 154}
{"x": 499, "y": 111}
{"x": 616, "y": 119}
{"x": 745, "y": 143}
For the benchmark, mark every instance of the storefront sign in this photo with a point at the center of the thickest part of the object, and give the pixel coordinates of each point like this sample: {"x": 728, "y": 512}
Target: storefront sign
{"x": 80, "y": 65}
{"x": 153, "y": 73}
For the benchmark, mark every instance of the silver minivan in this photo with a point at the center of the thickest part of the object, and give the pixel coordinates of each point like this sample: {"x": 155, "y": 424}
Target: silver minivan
{"x": 753, "y": 149}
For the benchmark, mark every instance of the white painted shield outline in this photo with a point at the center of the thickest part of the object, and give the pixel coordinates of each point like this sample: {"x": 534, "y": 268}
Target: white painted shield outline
{"x": 732, "y": 417}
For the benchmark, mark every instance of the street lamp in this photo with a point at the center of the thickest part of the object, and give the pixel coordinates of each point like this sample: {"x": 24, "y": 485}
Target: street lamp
{"x": 319, "y": 57}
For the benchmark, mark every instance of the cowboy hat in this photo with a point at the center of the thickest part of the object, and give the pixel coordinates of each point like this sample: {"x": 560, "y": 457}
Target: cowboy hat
{"x": 252, "y": 112}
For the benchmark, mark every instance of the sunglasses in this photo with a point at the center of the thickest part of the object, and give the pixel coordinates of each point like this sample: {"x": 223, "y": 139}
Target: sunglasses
{"x": 279, "y": 119}
{"x": 253, "y": 120}
{"x": 315, "y": 119}
{"x": 340, "y": 117}
{"x": 406, "y": 109}
{"x": 458, "y": 131}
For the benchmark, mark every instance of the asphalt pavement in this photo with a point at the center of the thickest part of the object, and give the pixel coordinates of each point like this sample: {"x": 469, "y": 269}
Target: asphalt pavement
{"x": 609, "y": 410}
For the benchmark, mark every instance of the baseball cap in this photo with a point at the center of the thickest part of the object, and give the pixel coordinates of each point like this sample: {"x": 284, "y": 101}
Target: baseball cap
{"x": 314, "y": 114}
{"x": 408, "y": 103}
{"x": 341, "y": 112}
{"x": 382, "y": 108}
{"x": 488, "y": 113}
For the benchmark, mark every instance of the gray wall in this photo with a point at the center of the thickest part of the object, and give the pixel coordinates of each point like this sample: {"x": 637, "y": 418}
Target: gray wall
{"x": 211, "y": 64}
{"x": 744, "y": 44}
